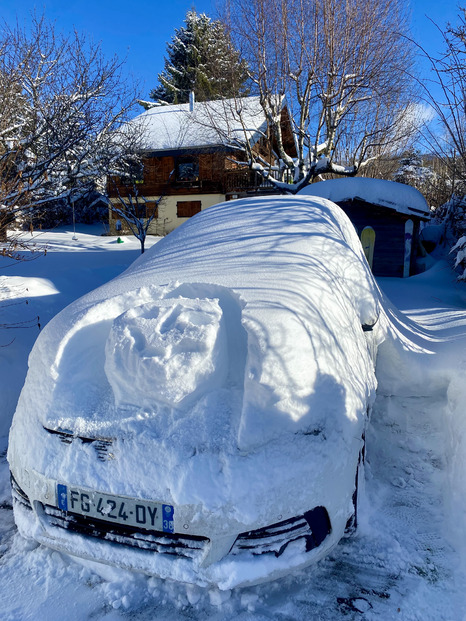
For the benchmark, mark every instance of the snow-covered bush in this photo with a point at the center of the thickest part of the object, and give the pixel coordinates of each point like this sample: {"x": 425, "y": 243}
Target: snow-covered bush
{"x": 87, "y": 209}
{"x": 452, "y": 215}
{"x": 460, "y": 261}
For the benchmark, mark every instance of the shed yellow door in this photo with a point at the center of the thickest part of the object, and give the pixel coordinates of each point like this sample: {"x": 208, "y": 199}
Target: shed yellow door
{"x": 368, "y": 243}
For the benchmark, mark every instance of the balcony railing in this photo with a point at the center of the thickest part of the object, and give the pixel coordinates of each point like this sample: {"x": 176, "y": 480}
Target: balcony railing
{"x": 249, "y": 180}
{"x": 226, "y": 182}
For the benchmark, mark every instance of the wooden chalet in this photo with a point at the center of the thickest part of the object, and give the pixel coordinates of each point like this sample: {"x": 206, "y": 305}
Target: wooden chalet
{"x": 387, "y": 216}
{"x": 193, "y": 155}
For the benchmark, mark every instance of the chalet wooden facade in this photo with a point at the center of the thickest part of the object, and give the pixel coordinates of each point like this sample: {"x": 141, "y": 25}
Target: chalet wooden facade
{"x": 193, "y": 158}
{"x": 387, "y": 217}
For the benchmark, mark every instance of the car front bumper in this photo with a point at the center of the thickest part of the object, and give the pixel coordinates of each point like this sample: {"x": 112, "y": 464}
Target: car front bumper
{"x": 231, "y": 560}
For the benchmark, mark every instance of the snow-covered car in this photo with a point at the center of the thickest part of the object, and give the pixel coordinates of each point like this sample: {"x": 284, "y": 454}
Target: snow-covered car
{"x": 202, "y": 416}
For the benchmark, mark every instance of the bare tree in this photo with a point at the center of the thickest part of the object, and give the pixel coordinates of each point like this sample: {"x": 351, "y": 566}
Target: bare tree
{"x": 61, "y": 106}
{"x": 446, "y": 135}
{"x": 133, "y": 208}
{"x": 445, "y": 94}
{"x": 137, "y": 212}
{"x": 342, "y": 68}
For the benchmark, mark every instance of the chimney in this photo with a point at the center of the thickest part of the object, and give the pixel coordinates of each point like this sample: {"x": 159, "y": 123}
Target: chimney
{"x": 191, "y": 101}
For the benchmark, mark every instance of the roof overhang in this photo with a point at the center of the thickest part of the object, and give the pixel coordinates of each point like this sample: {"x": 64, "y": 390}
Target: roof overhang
{"x": 200, "y": 150}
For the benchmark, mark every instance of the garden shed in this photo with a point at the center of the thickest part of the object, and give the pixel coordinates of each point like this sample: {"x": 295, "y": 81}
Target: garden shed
{"x": 387, "y": 216}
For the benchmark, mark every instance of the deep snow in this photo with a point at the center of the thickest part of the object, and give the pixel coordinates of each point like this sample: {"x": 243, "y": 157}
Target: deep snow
{"x": 223, "y": 384}
{"x": 407, "y": 560}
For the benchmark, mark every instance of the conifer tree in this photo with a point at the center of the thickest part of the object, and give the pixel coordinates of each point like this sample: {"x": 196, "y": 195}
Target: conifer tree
{"x": 202, "y": 59}
{"x": 412, "y": 171}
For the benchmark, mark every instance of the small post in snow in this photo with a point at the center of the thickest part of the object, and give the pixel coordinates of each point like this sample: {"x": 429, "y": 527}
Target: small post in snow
{"x": 74, "y": 238}
{"x": 191, "y": 101}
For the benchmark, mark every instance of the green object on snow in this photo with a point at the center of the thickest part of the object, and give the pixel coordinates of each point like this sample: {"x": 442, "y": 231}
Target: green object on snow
{"x": 119, "y": 241}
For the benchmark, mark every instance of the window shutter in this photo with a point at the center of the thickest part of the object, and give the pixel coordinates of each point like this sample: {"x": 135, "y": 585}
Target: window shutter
{"x": 187, "y": 209}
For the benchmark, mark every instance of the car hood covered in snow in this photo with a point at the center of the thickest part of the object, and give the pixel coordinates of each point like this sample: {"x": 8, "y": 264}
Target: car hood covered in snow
{"x": 237, "y": 336}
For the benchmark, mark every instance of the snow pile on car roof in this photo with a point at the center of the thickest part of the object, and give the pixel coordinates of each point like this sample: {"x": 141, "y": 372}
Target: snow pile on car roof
{"x": 291, "y": 280}
{"x": 397, "y": 196}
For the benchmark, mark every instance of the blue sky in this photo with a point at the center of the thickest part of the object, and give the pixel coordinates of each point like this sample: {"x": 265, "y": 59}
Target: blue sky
{"x": 139, "y": 30}
{"x": 440, "y": 12}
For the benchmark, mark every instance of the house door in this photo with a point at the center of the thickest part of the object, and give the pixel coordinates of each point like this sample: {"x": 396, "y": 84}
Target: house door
{"x": 368, "y": 243}
{"x": 409, "y": 226}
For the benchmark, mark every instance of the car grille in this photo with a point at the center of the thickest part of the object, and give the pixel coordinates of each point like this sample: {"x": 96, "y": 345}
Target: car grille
{"x": 19, "y": 496}
{"x": 312, "y": 527}
{"x": 102, "y": 446}
{"x": 186, "y": 546}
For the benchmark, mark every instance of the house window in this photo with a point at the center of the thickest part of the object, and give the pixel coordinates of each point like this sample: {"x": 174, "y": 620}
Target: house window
{"x": 152, "y": 210}
{"x": 187, "y": 169}
{"x": 134, "y": 176}
{"x": 140, "y": 210}
{"x": 186, "y": 209}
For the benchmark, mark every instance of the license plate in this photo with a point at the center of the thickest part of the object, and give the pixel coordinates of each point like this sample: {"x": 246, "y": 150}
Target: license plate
{"x": 116, "y": 509}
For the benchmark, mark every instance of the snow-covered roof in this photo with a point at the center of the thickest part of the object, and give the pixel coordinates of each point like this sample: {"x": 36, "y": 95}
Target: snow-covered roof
{"x": 209, "y": 124}
{"x": 397, "y": 196}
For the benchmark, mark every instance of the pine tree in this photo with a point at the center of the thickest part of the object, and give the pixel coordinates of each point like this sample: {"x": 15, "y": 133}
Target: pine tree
{"x": 202, "y": 59}
{"x": 412, "y": 171}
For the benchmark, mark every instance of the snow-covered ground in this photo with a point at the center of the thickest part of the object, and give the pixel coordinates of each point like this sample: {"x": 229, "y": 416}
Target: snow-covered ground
{"x": 408, "y": 559}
